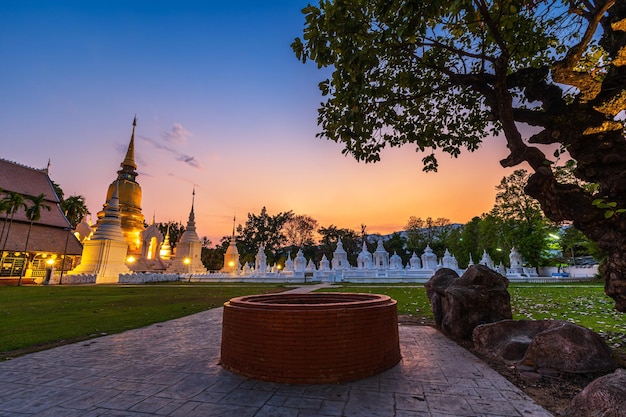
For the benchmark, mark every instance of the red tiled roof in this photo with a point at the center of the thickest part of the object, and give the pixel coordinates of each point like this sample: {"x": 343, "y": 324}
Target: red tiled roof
{"x": 50, "y": 232}
{"x": 42, "y": 239}
{"x": 24, "y": 180}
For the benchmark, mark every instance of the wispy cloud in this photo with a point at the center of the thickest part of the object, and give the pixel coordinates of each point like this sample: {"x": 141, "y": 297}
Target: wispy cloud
{"x": 176, "y": 135}
{"x": 171, "y": 140}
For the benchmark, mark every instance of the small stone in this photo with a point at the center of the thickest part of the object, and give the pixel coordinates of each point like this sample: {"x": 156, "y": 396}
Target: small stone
{"x": 530, "y": 376}
{"x": 548, "y": 372}
{"x": 525, "y": 368}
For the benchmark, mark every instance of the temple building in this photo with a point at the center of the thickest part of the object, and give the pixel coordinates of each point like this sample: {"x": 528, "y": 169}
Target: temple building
{"x": 147, "y": 248}
{"x": 129, "y": 194}
{"x": 51, "y": 242}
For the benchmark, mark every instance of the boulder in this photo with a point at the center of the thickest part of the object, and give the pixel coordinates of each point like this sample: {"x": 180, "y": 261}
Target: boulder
{"x": 552, "y": 344}
{"x": 604, "y": 397}
{"x": 570, "y": 348}
{"x": 460, "y": 304}
{"x": 507, "y": 340}
{"x": 435, "y": 290}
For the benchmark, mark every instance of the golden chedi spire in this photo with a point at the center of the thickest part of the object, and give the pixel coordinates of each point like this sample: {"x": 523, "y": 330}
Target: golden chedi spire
{"x": 129, "y": 193}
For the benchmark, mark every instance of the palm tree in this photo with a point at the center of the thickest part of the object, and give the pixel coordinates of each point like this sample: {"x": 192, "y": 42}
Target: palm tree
{"x": 75, "y": 209}
{"x": 33, "y": 213}
{"x": 4, "y": 209}
{"x": 13, "y": 201}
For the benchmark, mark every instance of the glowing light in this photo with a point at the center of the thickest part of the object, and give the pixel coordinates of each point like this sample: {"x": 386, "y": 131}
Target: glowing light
{"x": 186, "y": 261}
{"x": 278, "y": 267}
{"x": 231, "y": 264}
{"x": 50, "y": 261}
{"x": 130, "y": 259}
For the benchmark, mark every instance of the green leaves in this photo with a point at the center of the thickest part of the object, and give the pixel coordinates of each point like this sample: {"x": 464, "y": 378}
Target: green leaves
{"x": 610, "y": 207}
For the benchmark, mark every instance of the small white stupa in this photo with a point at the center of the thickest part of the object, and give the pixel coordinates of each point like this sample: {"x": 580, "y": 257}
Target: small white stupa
{"x": 260, "y": 260}
{"x": 381, "y": 256}
{"x": 104, "y": 255}
{"x": 340, "y": 257}
{"x": 231, "y": 257}
{"x": 516, "y": 261}
{"x": 486, "y": 260}
{"x": 395, "y": 262}
{"x": 429, "y": 259}
{"x": 364, "y": 260}
{"x": 188, "y": 249}
{"x": 415, "y": 262}
{"x": 299, "y": 264}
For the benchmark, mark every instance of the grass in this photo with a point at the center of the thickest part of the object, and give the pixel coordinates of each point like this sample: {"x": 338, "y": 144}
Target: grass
{"x": 584, "y": 304}
{"x": 38, "y": 317}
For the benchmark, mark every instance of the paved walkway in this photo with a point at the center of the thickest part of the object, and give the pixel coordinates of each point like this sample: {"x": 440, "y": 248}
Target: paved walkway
{"x": 172, "y": 369}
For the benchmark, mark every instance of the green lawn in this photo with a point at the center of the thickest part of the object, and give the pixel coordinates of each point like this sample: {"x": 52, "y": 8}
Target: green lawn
{"x": 584, "y": 304}
{"x": 38, "y": 317}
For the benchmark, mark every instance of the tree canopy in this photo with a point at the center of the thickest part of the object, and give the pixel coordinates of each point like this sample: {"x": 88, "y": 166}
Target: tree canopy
{"x": 442, "y": 76}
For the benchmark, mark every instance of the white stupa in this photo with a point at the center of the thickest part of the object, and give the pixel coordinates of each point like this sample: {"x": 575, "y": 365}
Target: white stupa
{"x": 381, "y": 256}
{"x": 340, "y": 257}
{"x": 415, "y": 262}
{"x": 231, "y": 257}
{"x": 486, "y": 260}
{"x": 364, "y": 260}
{"x": 104, "y": 255}
{"x": 299, "y": 264}
{"x": 188, "y": 249}
{"x": 429, "y": 259}
{"x": 260, "y": 260}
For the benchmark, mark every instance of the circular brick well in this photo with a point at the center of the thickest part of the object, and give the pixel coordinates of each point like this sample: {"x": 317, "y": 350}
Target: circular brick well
{"x": 310, "y": 338}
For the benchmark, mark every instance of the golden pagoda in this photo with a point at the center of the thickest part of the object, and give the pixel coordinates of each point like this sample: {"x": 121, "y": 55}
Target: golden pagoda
{"x": 129, "y": 194}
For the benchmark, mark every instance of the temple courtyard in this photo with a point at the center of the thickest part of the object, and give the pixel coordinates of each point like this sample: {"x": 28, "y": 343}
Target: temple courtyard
{"x": 173, "y": 369}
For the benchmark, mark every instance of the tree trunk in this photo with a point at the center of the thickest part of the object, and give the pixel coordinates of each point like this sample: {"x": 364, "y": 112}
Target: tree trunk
{"x": 613, "y": 270}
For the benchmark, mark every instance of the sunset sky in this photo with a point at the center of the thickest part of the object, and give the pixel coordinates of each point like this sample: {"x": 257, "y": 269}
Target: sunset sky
{"x": 221, "y": 103}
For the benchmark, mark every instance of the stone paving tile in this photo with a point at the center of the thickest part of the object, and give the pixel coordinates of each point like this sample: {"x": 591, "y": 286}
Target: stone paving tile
{"x": 332, "y": 408}
{"x": 173, "y": 370}
{"x": 308, "y": 403}
{"x": 449, "y": 404}
{"x": 409, "y": 402}
{"x": 369, "y": 403}
{"x": 327, "y": 392}
{"x": 246, "y": 396}
{"x": 89, "y": 399}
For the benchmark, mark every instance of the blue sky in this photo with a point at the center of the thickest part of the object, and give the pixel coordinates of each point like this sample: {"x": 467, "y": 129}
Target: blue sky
{"x": 221, "y": 103}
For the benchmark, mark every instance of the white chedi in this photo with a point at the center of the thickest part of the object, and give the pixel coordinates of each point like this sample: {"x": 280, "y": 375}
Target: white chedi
{"x": 289, "y": 266}
{"x": 364, "y": 260}
{"x": 415, "y": 262}
{"x": 486, "y": 260}
{"x": 429, "y": 259}
{"x": 395, "y": 262}
{"x": 299, "y": 262}
{"x": 260, "y": 260}
{"x": 324, "y": 264}
{"x": 310, "y": 267}
{"x": 449, "y": 261}
{"x": 381, "y": 256}
{"x": 340, "y": 257}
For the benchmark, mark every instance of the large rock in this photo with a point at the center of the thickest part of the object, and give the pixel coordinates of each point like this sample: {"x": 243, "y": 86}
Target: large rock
{"x": 604, "y": 397}
{"x": 507, "y": 340}
{"x": 554, "y": 344}
{"x": 435, "y": 291}
{"x": 460, "y": 304}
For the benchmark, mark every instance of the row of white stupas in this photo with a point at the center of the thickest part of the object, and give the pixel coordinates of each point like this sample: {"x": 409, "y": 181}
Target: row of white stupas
{"x": 369, "y": 265}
